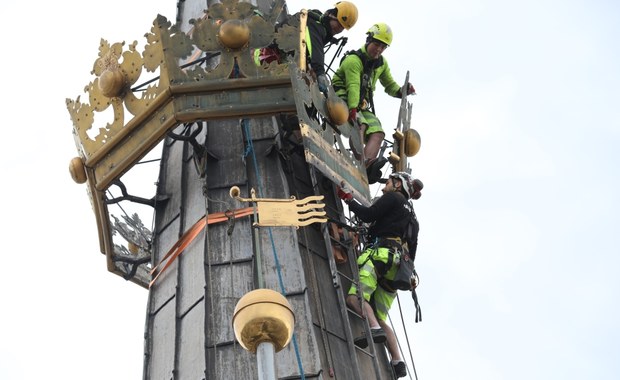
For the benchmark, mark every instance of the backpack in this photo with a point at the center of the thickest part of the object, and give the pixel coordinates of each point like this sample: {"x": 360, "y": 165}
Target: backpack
{"x": 406, "y": 269}
{"x": 410, "y": 237}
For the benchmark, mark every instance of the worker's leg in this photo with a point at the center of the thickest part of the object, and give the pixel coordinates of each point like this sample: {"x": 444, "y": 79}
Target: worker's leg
{"x": 354, "y": 304}
{"x": 373, "y": 136}
{"x": 383, "y": 300}
{"x": 392, "y": 344}
{"x": 368, "y": 284}
{"x": 373, "y": 145}
{"x": 359, "y": 140}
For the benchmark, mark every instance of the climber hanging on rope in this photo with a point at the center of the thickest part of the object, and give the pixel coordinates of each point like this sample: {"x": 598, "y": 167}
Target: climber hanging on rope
{"x": 378, "y": 264}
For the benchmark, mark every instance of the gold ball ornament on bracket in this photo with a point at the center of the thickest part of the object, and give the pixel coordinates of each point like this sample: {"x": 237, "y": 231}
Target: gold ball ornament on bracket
{"x": 76, "y": 168}
{"x": 337, "y": 109}
{"x": 412, "y": 142}
{"x": 112, "y": 82}
{"x": 234, "y": 34}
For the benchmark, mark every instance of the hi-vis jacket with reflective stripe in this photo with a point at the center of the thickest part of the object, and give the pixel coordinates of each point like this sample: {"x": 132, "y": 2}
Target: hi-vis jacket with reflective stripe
{"x": 318, "y": 35}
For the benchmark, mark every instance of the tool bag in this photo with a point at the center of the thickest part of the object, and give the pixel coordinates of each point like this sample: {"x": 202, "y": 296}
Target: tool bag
{"x": 404, "y": 274}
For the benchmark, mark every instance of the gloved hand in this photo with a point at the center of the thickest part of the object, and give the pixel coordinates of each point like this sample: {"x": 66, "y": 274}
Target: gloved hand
{"x": 353, "y": 115}
{"x": 323, "y": 82}
{"x": 343, "y": 194}
{"x": 410, "y": 90}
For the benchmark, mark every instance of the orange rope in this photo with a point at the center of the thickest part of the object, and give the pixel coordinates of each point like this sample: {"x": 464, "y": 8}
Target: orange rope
{"x": 191, "y": 234}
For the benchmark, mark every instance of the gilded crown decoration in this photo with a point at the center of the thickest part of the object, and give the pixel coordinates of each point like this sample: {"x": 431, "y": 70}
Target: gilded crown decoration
{"x": 210, "y": 72}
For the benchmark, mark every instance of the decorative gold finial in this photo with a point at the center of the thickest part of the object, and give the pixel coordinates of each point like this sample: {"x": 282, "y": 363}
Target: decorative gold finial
{"x": 234, "y": 34}
{"x": 263, "y": 315}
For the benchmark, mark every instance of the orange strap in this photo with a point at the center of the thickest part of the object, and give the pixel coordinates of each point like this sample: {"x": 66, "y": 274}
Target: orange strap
{"x": 191, "y": 234}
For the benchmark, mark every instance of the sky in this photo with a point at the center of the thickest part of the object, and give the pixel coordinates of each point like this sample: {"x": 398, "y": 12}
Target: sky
{"x": 519, "y": 116}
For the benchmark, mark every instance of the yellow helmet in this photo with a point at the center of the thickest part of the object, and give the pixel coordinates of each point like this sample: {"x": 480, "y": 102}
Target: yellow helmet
{"x": 381, "y": 32}
{"x": 347, "y": 14}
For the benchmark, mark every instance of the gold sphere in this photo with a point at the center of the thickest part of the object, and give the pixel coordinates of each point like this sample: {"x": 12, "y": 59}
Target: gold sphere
{"x": 412, "y": 142}
{"x": 263, "y": 315}
{"x": 112, "y": 83}
{"x": 234, "y": 34}
{"x": 76, "y": 168}
{"x": 337, "y": 109}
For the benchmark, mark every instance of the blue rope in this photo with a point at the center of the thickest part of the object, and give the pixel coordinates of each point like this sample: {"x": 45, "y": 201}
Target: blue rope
{"x": 250, "y": 149}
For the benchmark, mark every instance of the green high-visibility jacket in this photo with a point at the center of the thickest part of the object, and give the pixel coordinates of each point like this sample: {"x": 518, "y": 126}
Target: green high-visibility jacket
{"x": 348, "y": 79}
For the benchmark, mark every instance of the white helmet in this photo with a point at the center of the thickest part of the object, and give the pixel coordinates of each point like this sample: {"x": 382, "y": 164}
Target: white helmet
{"x": 411, "y": 186}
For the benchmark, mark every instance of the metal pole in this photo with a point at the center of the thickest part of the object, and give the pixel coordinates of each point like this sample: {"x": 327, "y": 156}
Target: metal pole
{"x": 266, "y": 359}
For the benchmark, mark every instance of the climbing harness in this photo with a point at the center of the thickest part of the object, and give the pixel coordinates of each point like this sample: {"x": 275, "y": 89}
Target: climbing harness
{"x": 366, "y": 101}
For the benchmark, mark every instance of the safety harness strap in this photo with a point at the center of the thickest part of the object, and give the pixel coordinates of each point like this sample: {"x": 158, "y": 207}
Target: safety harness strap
{"x": 366, "y": 76}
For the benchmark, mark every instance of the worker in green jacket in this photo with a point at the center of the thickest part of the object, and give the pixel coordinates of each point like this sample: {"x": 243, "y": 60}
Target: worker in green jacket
{"x": 355, "y": 82}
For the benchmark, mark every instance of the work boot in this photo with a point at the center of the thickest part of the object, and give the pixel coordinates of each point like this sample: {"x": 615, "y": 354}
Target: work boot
{"x": 400, "y": 369}
{"x": 378, "y": 336}
{"x": 373, "y": 169}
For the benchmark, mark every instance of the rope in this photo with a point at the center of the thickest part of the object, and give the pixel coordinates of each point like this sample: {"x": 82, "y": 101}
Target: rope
{"x": 250, "y": 150}
{"x": 402, "y": 320}
{"x": 314, "y": 279}
{"x": 231, "y": 227}
{"x": 208, "y": 272}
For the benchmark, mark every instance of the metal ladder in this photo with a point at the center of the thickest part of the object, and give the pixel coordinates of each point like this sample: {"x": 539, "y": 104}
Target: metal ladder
{"x": 341, "y": 293}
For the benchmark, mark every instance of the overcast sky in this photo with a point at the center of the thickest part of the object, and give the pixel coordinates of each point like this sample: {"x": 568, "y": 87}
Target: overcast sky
{"x": 518, "y": 111}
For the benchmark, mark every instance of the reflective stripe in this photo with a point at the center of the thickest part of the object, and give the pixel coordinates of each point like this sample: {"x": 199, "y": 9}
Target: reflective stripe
{"x": 257, "y": 57}
{"x": 383, "y": 302}
{"x": 308, "y": 42}
{"x": 367, "y": 274}
{"x": 368, "y": 279}
{"x": 379, "y": 298}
